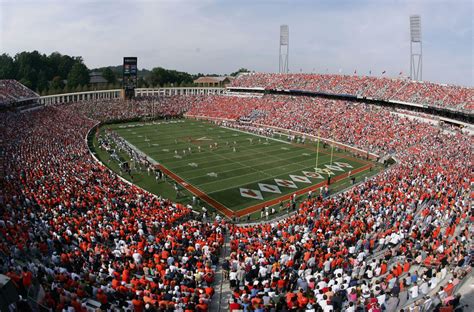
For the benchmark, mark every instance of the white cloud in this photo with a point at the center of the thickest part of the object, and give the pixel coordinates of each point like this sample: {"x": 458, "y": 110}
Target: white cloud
{"x": 221, "y": 36}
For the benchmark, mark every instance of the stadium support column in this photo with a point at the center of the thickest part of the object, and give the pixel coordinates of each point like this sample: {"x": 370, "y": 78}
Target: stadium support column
{"x": 416, "y": 49}
{"x": 284, "y": 49}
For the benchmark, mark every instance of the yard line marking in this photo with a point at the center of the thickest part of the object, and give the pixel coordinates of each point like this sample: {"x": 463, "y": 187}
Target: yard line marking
{"x": 248, "y": 210}
{"x": 326, "y": 171}
{"x": 246, "y": 183}
{"x": 203, "y": 164}
{"x": 191, "y": 188}
{"x": 259, "y": 135}
{"x": 268, "y": 152}
{"x": 299, "y": 166}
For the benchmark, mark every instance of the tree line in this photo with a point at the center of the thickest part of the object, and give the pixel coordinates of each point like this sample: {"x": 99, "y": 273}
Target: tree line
{"x": 59, "y": 73}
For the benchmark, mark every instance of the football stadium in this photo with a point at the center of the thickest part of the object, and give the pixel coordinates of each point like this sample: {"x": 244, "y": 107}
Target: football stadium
{"x": 127, "y": 189}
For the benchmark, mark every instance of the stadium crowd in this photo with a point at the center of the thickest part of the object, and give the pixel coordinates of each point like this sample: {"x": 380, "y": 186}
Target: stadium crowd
{"x": 373, "y": 87}
{"x": 12, "y": 91}
{"x": 393, "y": 241}
{"x": 118, "y": 109}
{"x": 73, "y": 231}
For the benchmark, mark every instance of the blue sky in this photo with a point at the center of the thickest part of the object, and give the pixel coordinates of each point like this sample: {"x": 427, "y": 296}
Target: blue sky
{"x": 221, "y": 36}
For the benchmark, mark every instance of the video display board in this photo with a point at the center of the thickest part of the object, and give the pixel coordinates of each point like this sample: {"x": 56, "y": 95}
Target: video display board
{"x": 130, "y": 71}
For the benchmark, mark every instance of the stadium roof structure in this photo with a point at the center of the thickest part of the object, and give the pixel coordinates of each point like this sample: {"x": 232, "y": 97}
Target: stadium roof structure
{"x": 96, "y": 78}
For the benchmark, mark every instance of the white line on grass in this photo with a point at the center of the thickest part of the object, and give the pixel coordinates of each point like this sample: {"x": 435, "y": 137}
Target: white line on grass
{"x": 254, "y": 181}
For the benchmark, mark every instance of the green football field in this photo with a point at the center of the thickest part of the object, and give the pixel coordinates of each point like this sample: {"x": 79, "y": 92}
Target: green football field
{"x": 235, "y": 170}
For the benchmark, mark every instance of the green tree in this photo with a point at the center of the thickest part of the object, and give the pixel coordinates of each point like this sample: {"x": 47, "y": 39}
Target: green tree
{"x": 57, "y": 83}
{"x": 78, "y": 76}
{"x": 42, "y": 83}
{"x": 142, "y": 83}
{"x": 7, "y": 67}
{"x": 109, "y": 75}
{"x": 241, "y": 70}
{"x": 26, "y": 82}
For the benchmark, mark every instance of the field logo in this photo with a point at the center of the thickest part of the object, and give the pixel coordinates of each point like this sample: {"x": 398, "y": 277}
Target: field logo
{"x": 313, "y": 175}
{"x": 343, "y": 165}
{"x": 254, "y": 194}
{"x": 301, "y": 179}
{"x": 323, "y": 171}
{"x": 332, "y": 167}
{"x": 212, "y": 174}
{"x": 165, "y": 150}
{"x": 269, "y": 188}
{"x": 193, "y": 164}
{"x": 286, "y": 183}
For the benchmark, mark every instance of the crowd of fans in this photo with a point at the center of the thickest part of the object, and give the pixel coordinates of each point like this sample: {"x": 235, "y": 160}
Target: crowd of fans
{"x": 72, "y": 231}
{"x": 392, "y": 242}
{"x": 374, "y": 87}
{"x": 74, "y": 234}
{"x": 139, "y": 107}
{"x": 347, "y": 122}
{"x": 12, "y": 91}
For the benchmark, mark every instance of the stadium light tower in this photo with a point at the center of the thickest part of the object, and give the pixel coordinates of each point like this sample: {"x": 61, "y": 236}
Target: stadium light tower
{"x": 416, "y": 49}
{"x": 284, "y": 48}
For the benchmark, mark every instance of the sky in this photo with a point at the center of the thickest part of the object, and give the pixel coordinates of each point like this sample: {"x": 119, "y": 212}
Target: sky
{"x": 210, "y": 36}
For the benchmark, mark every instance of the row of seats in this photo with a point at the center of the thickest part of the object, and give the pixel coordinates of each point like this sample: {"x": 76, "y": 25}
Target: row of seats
{"x": 12, "y": 91}
{"x": 374, "y": 87}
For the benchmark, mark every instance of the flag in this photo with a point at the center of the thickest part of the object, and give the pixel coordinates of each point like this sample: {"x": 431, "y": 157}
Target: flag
{"x": 383, "y": 72}
{"x": 370, "y": 72}
{"x": 400, "y": 73}
{"x": 355, "y": 71}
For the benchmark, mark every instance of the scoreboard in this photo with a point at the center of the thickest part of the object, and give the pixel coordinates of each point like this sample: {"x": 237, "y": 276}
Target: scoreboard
{"x": 130, "y": 71}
